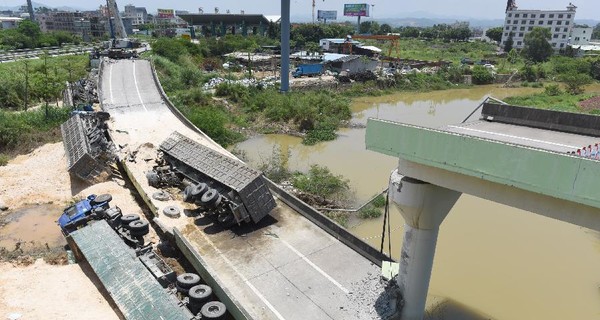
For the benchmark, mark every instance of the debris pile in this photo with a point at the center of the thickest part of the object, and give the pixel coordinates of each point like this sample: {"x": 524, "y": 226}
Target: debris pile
{"x": 263, "y": 83}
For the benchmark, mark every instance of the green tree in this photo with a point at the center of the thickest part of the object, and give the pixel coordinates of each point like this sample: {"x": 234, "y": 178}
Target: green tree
{"x": 494, "y": 33}
{"x": 508, "y": 44}
{"x": 575, "y": 82}
{"x": 369, "y": 27}
{"x": 385, "y": 29}
{"x": 513, "y": 56}
{"x": 537, "y": 48}
{"x": 481, "y": 75}
{"x": 596, "y": 33}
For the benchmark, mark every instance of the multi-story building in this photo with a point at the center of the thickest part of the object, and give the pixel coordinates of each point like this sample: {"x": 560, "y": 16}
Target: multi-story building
{"x": 9, "y": 22}
{"x": 138, "y": 15}
{"x": 581, "y": 35}
{"x": 59, "y": 21}
{"x": 521, "y": 22}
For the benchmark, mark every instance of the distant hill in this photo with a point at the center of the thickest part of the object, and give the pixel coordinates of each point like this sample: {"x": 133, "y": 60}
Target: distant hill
{"x": 39, "y": 5}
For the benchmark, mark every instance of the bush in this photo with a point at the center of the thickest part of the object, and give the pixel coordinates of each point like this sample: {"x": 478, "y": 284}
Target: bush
{"x": 552, "y": 90}
{"x": 212, "y": 121}
{"x": 369, "y": 213}
{"x": 379, "y": 201}
{"x": 320, "y": 181}
{"x": 3, "y": 159}
{"x": 482, "y": 76}
{"x": 275, "y": 167}
{"x": 575, "y": 82}
{"x": 234, "y": 92}
{"x": 528, "y": 73}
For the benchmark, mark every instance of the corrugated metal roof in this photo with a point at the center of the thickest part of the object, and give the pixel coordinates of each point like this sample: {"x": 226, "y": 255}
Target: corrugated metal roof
{"x": 340, "y": 41}
{"x": 136, "y": 292}
{"x": 336, "y": 57}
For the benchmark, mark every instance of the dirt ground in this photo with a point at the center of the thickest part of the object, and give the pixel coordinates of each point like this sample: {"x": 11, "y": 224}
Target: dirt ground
{"x": 41, "y": 290}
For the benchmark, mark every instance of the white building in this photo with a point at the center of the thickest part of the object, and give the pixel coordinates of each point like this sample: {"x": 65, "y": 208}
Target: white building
{"x": 520, "y": 22}
{"x": 9, "y": 22}
{"x": 581, "y": 35}
{"x": 138, "y": 15}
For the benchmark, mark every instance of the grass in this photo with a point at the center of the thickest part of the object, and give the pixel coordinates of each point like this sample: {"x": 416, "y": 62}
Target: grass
{"x": 321, "y": 182}
{"x": 339, "y": 217}
{"x": 562, "y": 102}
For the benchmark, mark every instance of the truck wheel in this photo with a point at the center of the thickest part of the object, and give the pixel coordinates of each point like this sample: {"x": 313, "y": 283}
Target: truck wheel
{"x": 171, "y": 211}
{"x": 139, "y": 227}
{"x": 161, "y": 196}
{"x": 210, "y": 197}
{"x": 213, "y": 310}
{"x": 102, "y": 198}
{"x": 187, "y": 280}
{"x": 187, "y": 195}
{"x": 199, "y": 190}
{"x": 199, "y": 294}
{"x": 153, "y": 179}
{"x": 129, "y": 218}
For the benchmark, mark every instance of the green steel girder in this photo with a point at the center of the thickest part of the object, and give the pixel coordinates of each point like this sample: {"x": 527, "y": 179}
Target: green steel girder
{"x": 549, "y": 173}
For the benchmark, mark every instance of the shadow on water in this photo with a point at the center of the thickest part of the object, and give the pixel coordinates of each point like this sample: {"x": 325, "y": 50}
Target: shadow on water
{"x": 448, "y": 309}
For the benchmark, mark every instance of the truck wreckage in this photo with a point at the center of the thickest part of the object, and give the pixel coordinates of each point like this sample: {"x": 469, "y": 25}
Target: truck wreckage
{"x": 223, "y": 187}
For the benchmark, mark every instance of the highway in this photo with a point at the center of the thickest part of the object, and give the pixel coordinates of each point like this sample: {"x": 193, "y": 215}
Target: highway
{"x": 284, "y": 268}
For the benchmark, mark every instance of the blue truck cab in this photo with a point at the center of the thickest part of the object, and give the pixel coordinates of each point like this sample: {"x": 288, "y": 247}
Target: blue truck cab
{"x": 80, "y": 213}
{"x": 308, "y": 70}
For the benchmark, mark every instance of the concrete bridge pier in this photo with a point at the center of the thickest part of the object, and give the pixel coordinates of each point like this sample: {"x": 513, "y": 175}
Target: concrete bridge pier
{"x": 423, "y": 206}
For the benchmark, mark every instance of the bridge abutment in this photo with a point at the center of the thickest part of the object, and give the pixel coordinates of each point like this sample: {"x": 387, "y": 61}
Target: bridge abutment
{"x": 423, "y": 206}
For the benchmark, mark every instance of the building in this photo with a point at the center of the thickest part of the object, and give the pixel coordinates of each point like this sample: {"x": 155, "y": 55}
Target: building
{"x": 335, "y": 45}
{"x": 9, "y": 22}
{"x": 521, "y": 22}
{"x": 138, "y": 15}
{"x": 581, "y": 35}
{"x": 221, "y": 24}
{"x": 351, "y": 63}
{"x": 60, "y": 21}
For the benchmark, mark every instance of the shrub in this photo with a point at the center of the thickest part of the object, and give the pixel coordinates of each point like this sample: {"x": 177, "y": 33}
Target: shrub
{"x": 482, "y": 76}
{"x": 552, "y": 90}
{"x": 369, "y": 213}
{"x": 3, "y": 159}
{"x": 528, "y": 73}
{"x": 379, "y": 201}
{"x": 575, "y": 82}
{"x": 320, "y": 181}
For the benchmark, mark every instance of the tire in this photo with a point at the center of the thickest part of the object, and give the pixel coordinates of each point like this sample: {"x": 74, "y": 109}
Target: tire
{"x": 213, "y": 310}
{"x": 153, "y": 179}
{"x": 129, "y": 218}
{"x": 105, "y": 197}
{"x": 139, "y": 227}
{"x": 187, "y": 196}
{"x": 171, "y": 211}
{"x": 199, "y": 190}
{"x": 188, "y": 280}
{"x": 199, "y": 294}
{"x": 161, "y": 196}
{"x": 210, "y": 197}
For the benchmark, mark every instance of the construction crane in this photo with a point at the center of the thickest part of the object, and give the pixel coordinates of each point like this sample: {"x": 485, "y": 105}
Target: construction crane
{"x": 30, "y": 9}
{"x": 313, "y": 11}
{"x": 117, "y": 28}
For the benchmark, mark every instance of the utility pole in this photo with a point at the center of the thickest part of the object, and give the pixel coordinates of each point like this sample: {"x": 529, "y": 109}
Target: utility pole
{"x": 285, "y": 46}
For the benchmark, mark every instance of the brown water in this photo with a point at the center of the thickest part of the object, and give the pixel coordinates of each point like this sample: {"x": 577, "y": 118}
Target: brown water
{"x": 33, "y": 226}
{"x": 491, "y": 259}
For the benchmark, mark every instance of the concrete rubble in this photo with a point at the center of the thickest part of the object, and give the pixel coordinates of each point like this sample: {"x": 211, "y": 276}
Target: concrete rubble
{"x": 265, "y": 82}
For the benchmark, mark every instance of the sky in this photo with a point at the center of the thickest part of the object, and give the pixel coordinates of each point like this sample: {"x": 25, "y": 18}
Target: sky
{"x": 483, "y": 9}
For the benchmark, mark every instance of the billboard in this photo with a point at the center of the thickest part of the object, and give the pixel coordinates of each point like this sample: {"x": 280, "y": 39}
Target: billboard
{"x": 326, "y": 15}
{"x": 166, "y": 13}
{"x": 356, "y": 10}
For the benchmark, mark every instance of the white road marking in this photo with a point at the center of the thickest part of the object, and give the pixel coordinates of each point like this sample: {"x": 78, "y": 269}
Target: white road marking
{"x": 346, "y": 291}
{"x": 246, "y": 281}
{"x": 138, "y": 88}
{"x": 110, "y": 83}
{"x": 516, "y": 137}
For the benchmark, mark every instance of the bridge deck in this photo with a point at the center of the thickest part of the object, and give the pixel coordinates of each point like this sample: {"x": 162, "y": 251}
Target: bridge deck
{"x": 284, "y": 268}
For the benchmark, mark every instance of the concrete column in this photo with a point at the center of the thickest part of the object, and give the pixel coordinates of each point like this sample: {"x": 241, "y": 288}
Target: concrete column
{"x": 423, "y": 206}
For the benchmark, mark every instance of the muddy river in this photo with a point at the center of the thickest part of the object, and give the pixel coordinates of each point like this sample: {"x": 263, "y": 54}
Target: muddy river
{"x": 492, "y": 261}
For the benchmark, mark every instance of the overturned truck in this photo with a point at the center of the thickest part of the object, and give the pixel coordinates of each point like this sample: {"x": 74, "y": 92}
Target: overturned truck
{"x": 222, "y": 186}
{"x": 87, "y": 147}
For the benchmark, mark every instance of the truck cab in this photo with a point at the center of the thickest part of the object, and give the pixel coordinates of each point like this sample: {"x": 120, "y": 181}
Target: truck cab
{"x": 77, "y": 215}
